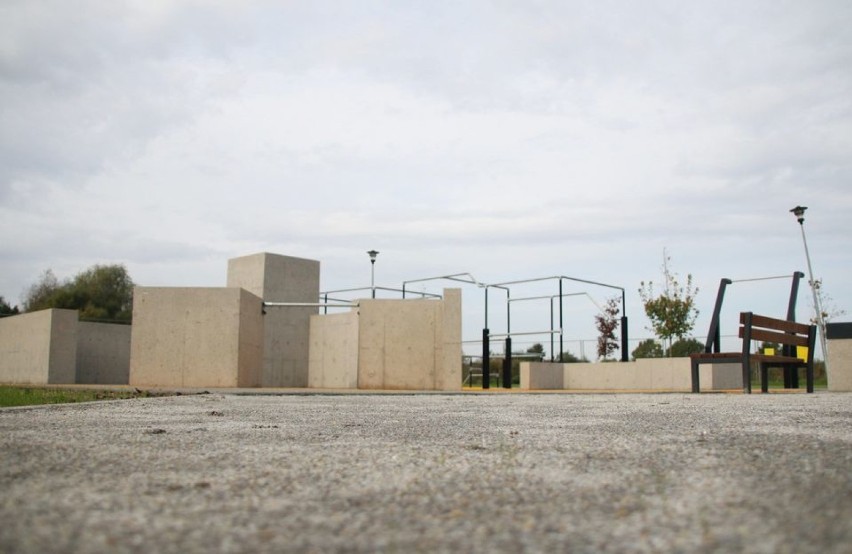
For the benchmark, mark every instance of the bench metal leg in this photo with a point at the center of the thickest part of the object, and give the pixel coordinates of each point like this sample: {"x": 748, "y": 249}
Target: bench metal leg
{"x": 809, "y": 376}
{"x": 764, "y": 378}
{"x": 746, "y": 376}
{"x": 695, "y": 384}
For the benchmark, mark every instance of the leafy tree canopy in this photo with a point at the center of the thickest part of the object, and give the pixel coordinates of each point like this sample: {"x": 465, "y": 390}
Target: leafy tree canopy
{"x": 102, "y": 292}
{"x": 648, "y": 348}
{"x": 684, "y": 347}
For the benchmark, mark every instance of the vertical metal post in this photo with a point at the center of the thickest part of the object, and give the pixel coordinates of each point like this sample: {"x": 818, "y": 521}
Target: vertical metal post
{"x": 624, "y": 340}
{"x": 507, "y": 365}
{"x": 486, "y": 359}
{"x": 561, "y": 348}
{"x": 791, "y": 374}
{"x": 552, "y": 353}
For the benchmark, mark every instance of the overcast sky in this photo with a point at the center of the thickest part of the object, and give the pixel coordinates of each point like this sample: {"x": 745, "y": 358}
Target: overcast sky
{"x": 506, "y": 139}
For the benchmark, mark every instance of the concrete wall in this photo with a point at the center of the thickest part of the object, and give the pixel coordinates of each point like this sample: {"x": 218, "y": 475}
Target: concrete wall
{"x": 39, "y": 347}
{"x": 390, "y": 344}
{"x": 647, "y": 374}
{"x": 196, "y": 337}
{"x": 839, "y": 356}
{"x": 410, "y": 344}
{"x": 334, "y": 351}
{"x": 277, "y": 278}
{"x": 103, "y": 353}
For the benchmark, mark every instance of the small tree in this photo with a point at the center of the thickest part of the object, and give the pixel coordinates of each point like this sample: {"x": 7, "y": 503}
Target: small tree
{"x": 648, "y": 348}
{"x": 606, "y": 323}
{"x": 672, "y": 313}
{"x": 6, "y": 309}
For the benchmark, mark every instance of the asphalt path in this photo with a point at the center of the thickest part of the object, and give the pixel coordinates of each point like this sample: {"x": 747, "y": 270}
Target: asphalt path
{"x": 430, "y": 473}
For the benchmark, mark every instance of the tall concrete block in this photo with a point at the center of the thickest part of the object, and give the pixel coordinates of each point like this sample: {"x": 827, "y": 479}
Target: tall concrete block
{"x": 839, "y": 343}
{"x": 39, "y": 348}
{"x": 196, "y": 337}
{"x": 103, "y": 353}
{"x": 277, "y": 278}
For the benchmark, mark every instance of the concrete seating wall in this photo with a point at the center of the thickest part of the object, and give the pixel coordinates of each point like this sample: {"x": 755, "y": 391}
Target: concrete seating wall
{"x": 648, "y": 374}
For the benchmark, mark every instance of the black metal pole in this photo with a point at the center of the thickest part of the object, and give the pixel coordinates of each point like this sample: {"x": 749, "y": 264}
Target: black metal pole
{"x": 486, "y": 360}
{"x": 714, "y": 335}
{"x": 561, "y": 348}
{"x": 552, "y": 353}
{"x": 507, "y": 365}
{"x": 624, "y": 354}
{"x": 791, "y": 374}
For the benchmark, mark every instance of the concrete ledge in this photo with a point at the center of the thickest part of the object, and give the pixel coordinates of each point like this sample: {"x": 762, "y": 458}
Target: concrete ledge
{"x": 648, "y": 374}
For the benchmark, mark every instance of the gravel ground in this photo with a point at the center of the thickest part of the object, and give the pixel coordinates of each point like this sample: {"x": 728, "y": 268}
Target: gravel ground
{"x": 408, "y": 473}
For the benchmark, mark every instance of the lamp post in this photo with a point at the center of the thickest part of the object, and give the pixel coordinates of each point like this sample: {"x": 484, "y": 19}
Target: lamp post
{"x": 373, "y": 254}
{"x": 799, "y": 212}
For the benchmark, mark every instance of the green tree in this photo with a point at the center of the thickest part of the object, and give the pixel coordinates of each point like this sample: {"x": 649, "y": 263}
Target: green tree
{"x": 672, "y": 313}
{"x": 606, "y": 322}
{"x": 648, "y": 348}
{"x": 102, "y": 292}
{"x": 684, "y": 347}
{"x": 6, "y": 309}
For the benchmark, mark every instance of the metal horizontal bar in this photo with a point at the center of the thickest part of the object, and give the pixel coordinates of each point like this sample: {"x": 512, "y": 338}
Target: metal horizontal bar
{"x": 762, "y": 278}
{"x": 309, "y": 305}
{"x": 504, "y": 335}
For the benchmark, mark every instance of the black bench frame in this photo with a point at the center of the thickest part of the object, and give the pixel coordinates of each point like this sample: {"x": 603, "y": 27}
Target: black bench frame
{"x": 767, "y": 329}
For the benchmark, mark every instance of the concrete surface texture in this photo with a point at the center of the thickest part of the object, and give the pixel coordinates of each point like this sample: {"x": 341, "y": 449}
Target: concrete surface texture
{"x": 277, "y": 278}
{"x": 648, "y": 374}
{"x": 103, "y": 353}
{"x": 196, "y": 337}
{"x": 333, "y": 362}
{"x": 430, "y": 473}
{"x": 39, "y": 347}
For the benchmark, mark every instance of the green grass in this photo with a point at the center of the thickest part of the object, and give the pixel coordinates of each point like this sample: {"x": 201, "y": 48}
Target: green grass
{"x": 32, "y": 396}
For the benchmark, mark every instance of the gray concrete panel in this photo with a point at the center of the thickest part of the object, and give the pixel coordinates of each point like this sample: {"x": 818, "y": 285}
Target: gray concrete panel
{"x": 103, "y": 353}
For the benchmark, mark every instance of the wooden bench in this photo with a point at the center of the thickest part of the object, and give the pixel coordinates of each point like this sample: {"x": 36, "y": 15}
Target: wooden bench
{"x": 767, "y": 329}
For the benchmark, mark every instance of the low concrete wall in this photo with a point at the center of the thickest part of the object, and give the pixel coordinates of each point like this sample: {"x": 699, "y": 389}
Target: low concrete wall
{"x": 103, "y": 353}
{"x": 334, "y": 351}
{"x": 647, "y": 374}
{"x": 839, "y": 357}
{"x": 39, "y": 347}
{"x": 196, "y": 337}
{"x": 389, "y": 344}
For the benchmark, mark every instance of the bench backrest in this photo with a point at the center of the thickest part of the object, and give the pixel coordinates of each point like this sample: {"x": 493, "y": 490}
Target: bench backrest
{"x": 781, "y": 331}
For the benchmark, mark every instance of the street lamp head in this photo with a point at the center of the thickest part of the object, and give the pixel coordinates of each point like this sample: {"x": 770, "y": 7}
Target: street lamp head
{"x": 372, "y": 254}
{"x": 799, "y": 212}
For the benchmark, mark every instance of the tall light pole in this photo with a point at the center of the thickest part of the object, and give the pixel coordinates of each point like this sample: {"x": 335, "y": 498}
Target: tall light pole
{"x": 799, "y": 212}
{"x": 373, "y": 254}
